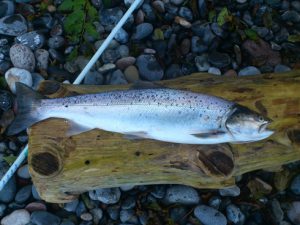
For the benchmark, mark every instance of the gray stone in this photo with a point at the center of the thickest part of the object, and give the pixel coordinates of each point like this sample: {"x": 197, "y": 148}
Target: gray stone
{"x": 143, "y": 218}
{"x": 281, "y": 68}
{"x": 173, "y": 71}
{"x": 86, "y": 216}
{"x": 277, "y": 212}
{"x": 42, "y": 58}
{"x": 14, "y": 75}
{"x": 71, "y": 206}
{"x": 261, "y": 31}
{"x": 4, "y": 66}
{"x": 123, "y": 50}
{"x": 218, "y": 30}
{"x": 110, "y": 16}
{"x": 106, "y": 195}
{"x": 159, "y": 6}
{"x": 202, "y": 63}
{"x": 177, "y": 2}
{"x": 127, "y": 187}
{"x": 32, "y": 39}
{"x": 97, "y": 215}
{"x": 81, "y": 208}
{"x": 106, "y": 68}
{"x": 142, "y": 31}
{"x": 214, "y": 70}
{"x": 35, "y": 194}
{"x": 113, "y": 212}
{"x": 129, "y": 203}
{"x": 159, "y": 191}
{"x": 231, "y": 191}
{"x": 117, "y": 77}
{"x": 295, "y": 185}
{"x": 6, "y": 103}
{"x": 149, "y": 12}
{"x": 13, "y": 25}
{"x": 43, "y": 217}
{"x": 197, "y": 45}
{"x": 23, "y": 194}
{"x": 122, "y": 36}
{"x": 293, "y": 212}
{"x": 182, "y": 195}
{"x": 291, "y": 16}
{"x": 93, "y": 78}
{"x": 128, "y": 216}
{"x": 186, "y": 13}
{"x": 56, "y": 42}
{"x": 110, "y": 56}
{"x": 248, "y": 18}
{"x": 22, "y": 57}
{"x": 249, "y": 70}
{"x": 235, "y": 215}
{"x": 219, "y": 60}
{"x": 149, "y": 68}
{"x": 209, "y": 216}
{"x": 215, "y": 202}
{"x": 7, "y": 8}
{"x": 17, "y": 217}
{"x": 23, "y": 172}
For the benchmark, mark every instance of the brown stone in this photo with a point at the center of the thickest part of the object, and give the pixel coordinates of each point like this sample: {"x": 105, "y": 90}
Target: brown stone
{"x": 230, "y": 73}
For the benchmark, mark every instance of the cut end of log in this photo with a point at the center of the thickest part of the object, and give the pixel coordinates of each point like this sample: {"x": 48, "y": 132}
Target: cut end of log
{"x": 45, "y": 164}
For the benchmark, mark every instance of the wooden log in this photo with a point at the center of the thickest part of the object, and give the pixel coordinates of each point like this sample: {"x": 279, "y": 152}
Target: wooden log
{"x": 63, "y": 167}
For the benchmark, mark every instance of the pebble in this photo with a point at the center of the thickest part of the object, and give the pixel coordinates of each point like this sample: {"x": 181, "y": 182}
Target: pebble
{"x": 93, "y": 78}
{"x": 14, "y": 75}
{"x": 209, "y": 216}
{"x": 197, "y": 45}
{"x": 32, "y": 39}
{"x": 149, "y": 68}
{"x": 185, "y": 46}
{"x": 281, "y": 68}
{"x": 36, "y": 206}
{"x": 181, "y": 194}
{"x": 129, "y": 202}
{"x": 235, "y": 215}
{"x": 149, "y": 12}
{"x": 117, "y": 78}
{"x": 110, "y": 17}
{"x": 231, "y": 191}
{"x": 295, "y": 185}
{"x": 7, "y": 8}
{"x": 22, "y": 57}
{"x": 86, "y": 216}
{"x": 8, "y": 193}
{"x": 42, "y": 59}
{"x": 13, "y": 25}
{"x": 106, "y": 195}
{"x": 293, "y": 212}
{"x": 3, "y": 208}
{"x": 131, "y": 74}
{"x": 296, "y": 5}
{"x": 159, "y": 6}
{"x": 219, "y": 60}
{"x": 71, "y": 206}
{"x": 276, "y": 210}
{"x": 249, "y": 70}
{"x": 113, "y": 212}
{"x": 178, "y": 214}
{"x": 23, "y": 172}
{"x": 127, "y": 187}
{"x": 202, "y": 8}
{"x": 97, "y": 215}
{"x": 35, "y": 194}
{"x": 4, "y": 66}
{"x": 17, "y": 217}
{"x": 23, "y": 194}
{"x": 142, "y": 31}
{"x": 107, "y": 68}
{"x": 110, "y": 56}
{"x": 125, "y": 62}
{"x": 291, "y": 16}
{"x": 56, "y": 42}
{"x": 6, "y": 100}
{"x": 43, "y": 217}
{"x": 230, "y": 73}
{"x": 128, "y": 216}
{"x": 202, "y": 63}
{"x": 214, "y": 70}
{"x": 215, "y": 202}
{"x": 122, "y": 36}
{"x": 123, "y": 51}
{"x": 186, "y": 13}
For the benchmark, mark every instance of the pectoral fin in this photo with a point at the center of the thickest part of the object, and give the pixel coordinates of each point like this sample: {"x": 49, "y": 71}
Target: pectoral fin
{"x": 210, "y": 134}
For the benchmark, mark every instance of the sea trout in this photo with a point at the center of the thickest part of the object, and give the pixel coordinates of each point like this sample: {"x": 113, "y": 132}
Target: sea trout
{"x": 162, "y": 114}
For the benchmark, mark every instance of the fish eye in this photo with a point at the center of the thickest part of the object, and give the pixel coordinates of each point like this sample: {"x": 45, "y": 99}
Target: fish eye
{"x": 261, "y": 119}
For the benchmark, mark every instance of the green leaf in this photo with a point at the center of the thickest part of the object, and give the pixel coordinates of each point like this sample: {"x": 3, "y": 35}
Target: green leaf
{"x": 251, "y": 34}
{"x": 91, "y": 30}
{"x": 92, "y": 12}
{"x": 294, "y": 38}
{"x": 158, "y": 34}
{"x": 10, "y": 159}
{"x": 223, "y": 16}
{"x": 66, "y": 5}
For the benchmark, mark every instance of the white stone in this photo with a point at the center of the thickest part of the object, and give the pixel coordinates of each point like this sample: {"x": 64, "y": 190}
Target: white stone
{"x": 14, "y": 75}
{"x": 17, "y": 217}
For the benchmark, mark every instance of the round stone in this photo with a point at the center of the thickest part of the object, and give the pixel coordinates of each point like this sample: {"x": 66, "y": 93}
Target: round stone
{"x": 6, "y": 100}
{"x": 33, "y": 40}
{"x": 106, "y": 195}
{"x": 110, "y": 56}
{"x": 125, "y": 62}
{"x": 106, "y": 68}
{"x": 110, "y": 16}
{"x": 281, "y": 68}
{"x": 131, "y": 74}
{"x": 295, "y": 185}
{"x": 159, "y": 191}
{"x": 117, "y": 77}
{"x": 209, "y": 216}
{"x": 291, "y": 16}
{"x": 17, "y": 217}
{"x": 36, "y": 206}
{"x": 231, "y": 191}
{"x": 93, "y": 78}
{"x": 128, "y": 216}
{"x": 23, "y": 194}
{"x": 123, "y": 51}
{"x": 14, "y": 75}
{"x": 149, "y": 68}
{"x": 23, "y": 172}
{"x": 86, "y": 216}
{"x": 22, "y": 57}
{"x": 13, "y": 25}
{"x": 218, "y": 59}
{"x": 56, "y": 42}
{"x": 142, "y": 31}
{"x": 159, "y": 6}
{"x": 186, "y": 13}
{"x": 249, "y": 70}
{"x": 43, "y": 217}
{"x": 182, "y": 195}
{"x": 293, "y": 212}
{"x": 42, "y": 58}
{"x": 127, "y": 187}
{"x": 235, "y": 215}
{"x": 202, "y": 63}
{"x": 122, "y": 36}
{"x": 214, "y": 70}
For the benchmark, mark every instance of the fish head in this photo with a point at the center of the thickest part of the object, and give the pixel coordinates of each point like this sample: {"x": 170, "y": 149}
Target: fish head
{"x": 246, "y": 125}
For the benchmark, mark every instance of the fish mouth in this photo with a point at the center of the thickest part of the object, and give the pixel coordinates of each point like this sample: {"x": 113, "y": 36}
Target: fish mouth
{"x": 263, "y": 127}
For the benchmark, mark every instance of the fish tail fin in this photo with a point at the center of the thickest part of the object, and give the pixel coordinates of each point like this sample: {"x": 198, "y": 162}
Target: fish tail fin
{"x": 26, "y": 103}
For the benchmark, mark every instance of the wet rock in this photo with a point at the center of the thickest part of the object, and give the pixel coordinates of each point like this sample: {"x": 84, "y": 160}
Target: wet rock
{"x": 42, "y": 58}
{"x": 13, "y": 25}
{"x": 142, "y": 31}
{"x": 22, "y": 57}
{"x": 215, "y": 202}
{"x": 23, "y": 194}
{"x": 122, "y": 36}
{"x": 249, "y": 70}
{"x": 214, "y": 70}
{"x": 110, "y": 56}
{"x": 186, "y": 13}
{"x": 159, "y": 6}
{"x": 281, "y": 68}
{"x": 97, "y": 215}
{"x": 291, "y": 16}
{"x": 218, "y": 30}
{"x": 231, "y": 191}
{"x": 209, "y": 216}
{"x": 6, "y": 100}
{"x": 110, "y": 16}
{"x": 149, "y": 12}
{"x": 219, "y": 60}
{"x": 123, "y": 51}
{"x": 8, "y": 193}
{"x": 7, "y": 8}
{"x": 235, "y": 215}
{"x": 125, "y": 62}
{"x": 182, "y": 195}
{"x": 197, "y": 45}
{"x": 127, "y": 187}
{"x": 43, "y": 217}
{"x": 276, "y": 210}
{"x": 106, "y": 68}
{"x": 86, "y": 216}
{"x": 173, "y": 71}
{"x": 131, "y": 74}
{"x": 113, "y": 212}
{"x": 183, "y": 22}
{"x": 71, "y": 206}
{"x": 106, "y": 195}
{"x": 14, "y": 75}
{"x": 117, "y": 78}
{"x": 129, "y": 203}
{"x": 17, "y": 217}
{"x": 295, "y": 185}
{"x": 202, "y": 63}
{"x": 293, "y": 212}
{"x": 56, "y": 42}
{"x": 149, "y": 68}
{"x": 296, "y": 5}
{"x": 23, "y": 172}
{"x": 32, "y": 39}
{"x": 36, "y": 206}
{"x": 35, "y": 194}
{"x": 93, "y": 78}
{"x": 128, "y": 216}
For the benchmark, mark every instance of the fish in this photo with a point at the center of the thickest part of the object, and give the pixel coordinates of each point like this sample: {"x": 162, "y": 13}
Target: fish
{"x": 163, "y": 114}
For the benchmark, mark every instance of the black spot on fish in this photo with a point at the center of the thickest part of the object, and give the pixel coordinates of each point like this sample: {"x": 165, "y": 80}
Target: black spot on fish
{"x": 66, "y": 106}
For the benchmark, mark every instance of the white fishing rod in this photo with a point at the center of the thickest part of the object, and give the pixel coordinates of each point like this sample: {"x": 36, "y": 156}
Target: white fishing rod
{"x": 78, "y": 80}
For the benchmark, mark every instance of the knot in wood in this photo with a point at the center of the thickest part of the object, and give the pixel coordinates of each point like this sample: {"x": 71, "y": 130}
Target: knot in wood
{"x": 45, "y": 163}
